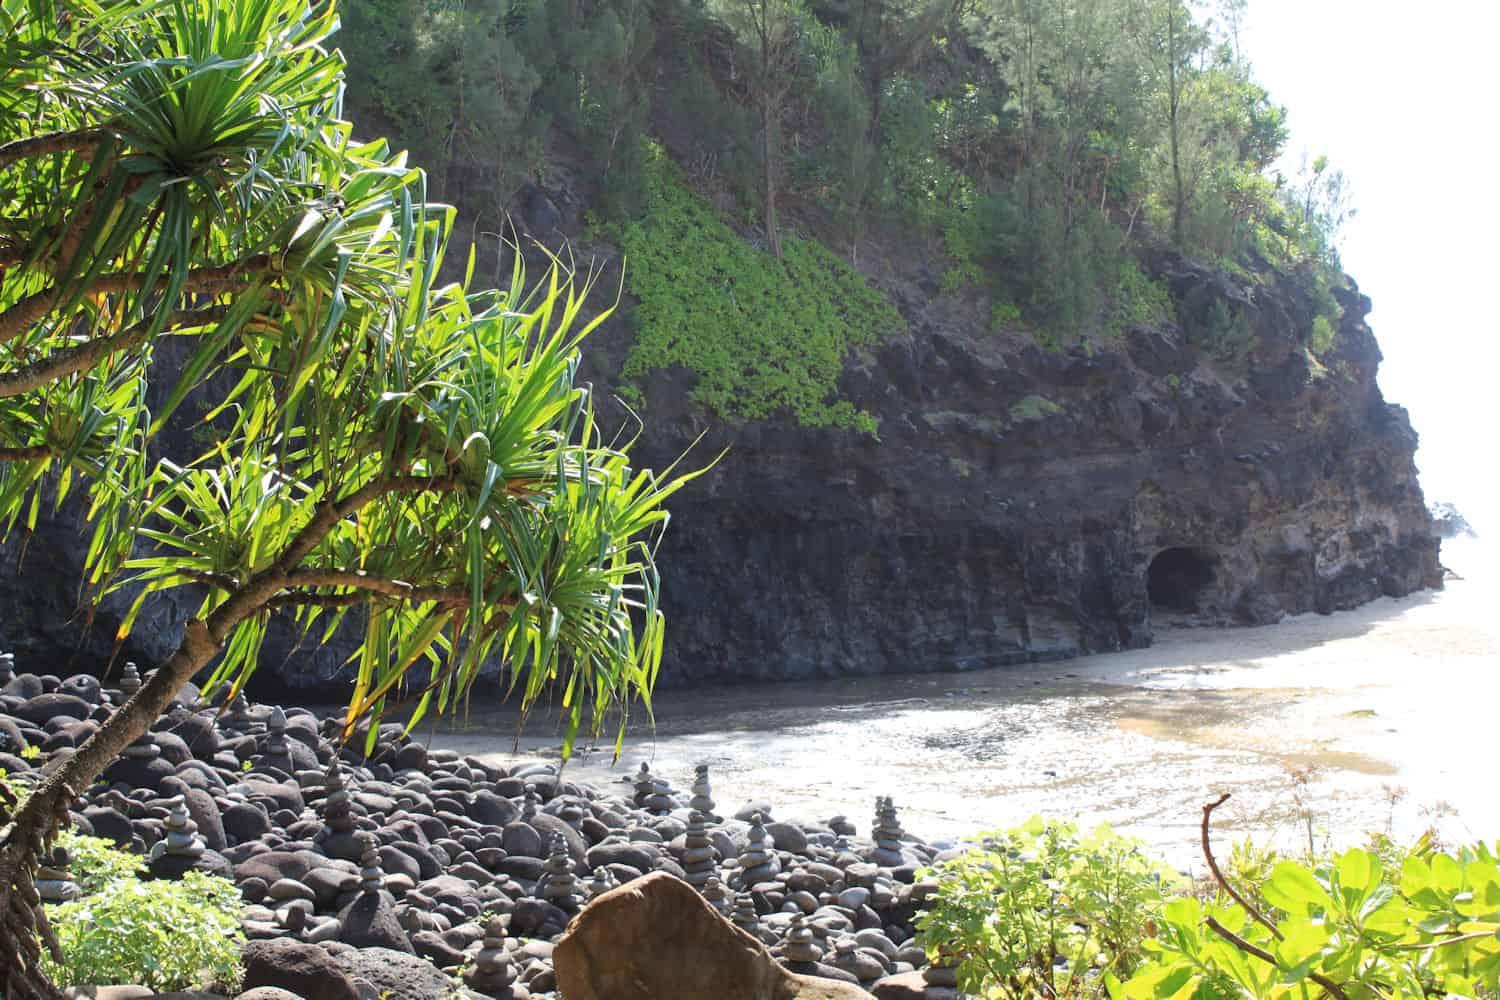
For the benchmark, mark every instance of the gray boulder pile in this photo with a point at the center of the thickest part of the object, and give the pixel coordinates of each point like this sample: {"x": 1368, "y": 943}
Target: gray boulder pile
{"x": 417, "y": 873}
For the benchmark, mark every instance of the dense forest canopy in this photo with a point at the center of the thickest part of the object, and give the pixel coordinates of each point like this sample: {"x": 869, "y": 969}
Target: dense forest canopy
{"x": 1037, "y": 143}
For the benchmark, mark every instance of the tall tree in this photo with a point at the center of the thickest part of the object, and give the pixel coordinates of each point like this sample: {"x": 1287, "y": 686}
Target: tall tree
{"x": 420, "y": 454}
{"x": 768, "y": 30}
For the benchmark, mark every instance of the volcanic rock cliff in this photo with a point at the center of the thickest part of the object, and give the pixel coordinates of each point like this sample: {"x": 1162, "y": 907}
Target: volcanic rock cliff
{"x": 1018, "y": 504}
{"x": 1022, "y": 504}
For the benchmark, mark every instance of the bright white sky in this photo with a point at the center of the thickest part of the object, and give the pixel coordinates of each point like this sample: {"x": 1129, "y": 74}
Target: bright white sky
{"x": 1402, "y": 97}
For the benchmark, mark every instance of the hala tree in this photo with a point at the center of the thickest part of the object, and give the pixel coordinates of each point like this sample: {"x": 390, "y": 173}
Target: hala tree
{"x": 414, "y": 459}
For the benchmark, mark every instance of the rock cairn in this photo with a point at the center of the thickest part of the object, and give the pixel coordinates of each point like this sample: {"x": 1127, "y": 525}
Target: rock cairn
{"x": 276, "y": 744}
{"x": 759, "y": 861}
{"x": 53, "y": 883}
{"x": 130, "y": 679}
{"x": 181, "y": 850}
{"x": 531, "y": 803}
{"x": 698, "y": 853}
{"x": 337, "y": 837}
{"x": 601, "y": 883}
{"x": 653, "y": 794}
{"x": 371, "y": 874}
{"x": 887, "y": 834}
{"x": 493, "y": 972}
{"x": 801, "y": 945}
{"x": 743, "y": 914}
{"x": 558, "y": 885}
{"x": 715, "y": 892}
{"x": 703, "y": 798}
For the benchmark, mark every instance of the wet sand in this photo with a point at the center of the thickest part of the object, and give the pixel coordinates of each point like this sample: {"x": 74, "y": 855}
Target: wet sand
{"x": 1378, "y": 718}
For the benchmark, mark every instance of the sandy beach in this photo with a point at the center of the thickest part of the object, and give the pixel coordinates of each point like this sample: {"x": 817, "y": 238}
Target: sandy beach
{"x": 1320, "y": 726}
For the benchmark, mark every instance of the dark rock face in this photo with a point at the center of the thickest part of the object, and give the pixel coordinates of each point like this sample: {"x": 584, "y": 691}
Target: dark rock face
{"x": 1016, "y": 500}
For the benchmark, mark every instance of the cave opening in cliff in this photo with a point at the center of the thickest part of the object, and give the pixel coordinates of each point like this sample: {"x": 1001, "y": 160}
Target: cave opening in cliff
{"x": 1179, "y": 579}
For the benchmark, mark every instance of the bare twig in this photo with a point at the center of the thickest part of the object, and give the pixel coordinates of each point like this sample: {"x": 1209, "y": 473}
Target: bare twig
{"x": 1213, "y": 866}
{"x": 1332, "y": 988}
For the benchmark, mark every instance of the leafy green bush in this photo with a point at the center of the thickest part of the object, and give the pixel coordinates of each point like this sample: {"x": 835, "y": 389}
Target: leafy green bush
{"x": 1039, "y": 911}
{"x": 164, "y": 935}
{"x": 1323, "y": 334}
{"x": 761, "y": 334}
{"x": 1033, "y": 408}
{"x": 95, "y": 863}
{"x": 1350, "y": 925}
{"x": 1004, "y": 314}
{"x": 1138, "y": 300}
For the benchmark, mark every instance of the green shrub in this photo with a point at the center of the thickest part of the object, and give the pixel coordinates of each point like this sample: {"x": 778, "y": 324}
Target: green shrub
{"x": 1138, "y": 300}
{"x": 1223, "y": 333}
{"x": 761, "y": 334}
{"x": 1039, "y": 911}
{"x": 1033, "y": 408}
{"x": 96, "y": 862}
{"x": 164, "y": 935}
{"x": 1323, "y": 335}
{"x": 1004, "y": 314}
{"x": 1424, "y": 924}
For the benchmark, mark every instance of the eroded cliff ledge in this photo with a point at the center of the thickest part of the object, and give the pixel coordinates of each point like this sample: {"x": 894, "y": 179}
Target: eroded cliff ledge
{"x": 1018, "y": 499}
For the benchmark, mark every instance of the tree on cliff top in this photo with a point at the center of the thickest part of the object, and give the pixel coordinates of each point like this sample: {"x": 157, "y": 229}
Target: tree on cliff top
{"x": 418, "y": 454}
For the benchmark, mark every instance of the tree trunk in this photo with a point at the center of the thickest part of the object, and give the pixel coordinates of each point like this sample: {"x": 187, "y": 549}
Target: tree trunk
{"x": 1178, "y": 208}
{"x": 768, "y": 150}
{"x": 23, "y": 837}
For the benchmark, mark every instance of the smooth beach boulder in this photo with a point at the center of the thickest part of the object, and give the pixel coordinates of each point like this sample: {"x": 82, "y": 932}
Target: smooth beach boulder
{"x": 656, "y": 937}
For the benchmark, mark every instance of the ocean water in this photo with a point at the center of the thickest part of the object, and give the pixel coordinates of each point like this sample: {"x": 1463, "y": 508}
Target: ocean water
{"x": 1321, "y": 728}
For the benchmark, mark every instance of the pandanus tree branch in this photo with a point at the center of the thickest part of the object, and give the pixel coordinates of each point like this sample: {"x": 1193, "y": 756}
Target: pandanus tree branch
{"x": 29, "y": 311}
{"x": 51, "y": 143}
{"x": 87, "y": 354}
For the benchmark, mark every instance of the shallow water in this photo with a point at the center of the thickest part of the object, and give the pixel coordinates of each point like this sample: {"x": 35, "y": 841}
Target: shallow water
{"x": 1321, "y": 726}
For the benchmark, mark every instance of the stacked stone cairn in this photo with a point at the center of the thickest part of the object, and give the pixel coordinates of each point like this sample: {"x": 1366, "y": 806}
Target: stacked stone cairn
{"x": 759, "y": 861}
{"x": 558, "y": 885}
{"x": 715, "y": 893}
{"x": 801, "y": 944}
{"x": 601, "y": 882}
{"x": 703, "y": 798}
{"x": 652, "y": 793}
{"x": 130, "y": 679}
{"x": 468, "y": 860}
{"x": 698, "y": 855}
{"x": 743, "y": 914}
{"x": 53, "y": 883}
{"x": 493, "y": 971}
{"x": 337, "y": 838}
{"x": 181, "y": 850}
{"x": 887, "y": 834}
{"x": 371, "y": 873}
{"x": 276, "y": 745}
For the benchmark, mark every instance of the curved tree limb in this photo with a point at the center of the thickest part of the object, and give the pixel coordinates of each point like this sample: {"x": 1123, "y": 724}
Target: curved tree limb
{"x": 27, "y": 312}
{"x": 81, "y": 357}
{"x": 50, "y": 143}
